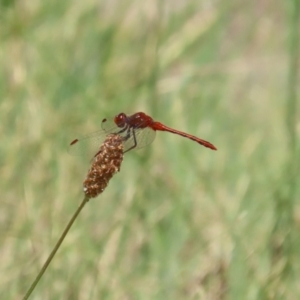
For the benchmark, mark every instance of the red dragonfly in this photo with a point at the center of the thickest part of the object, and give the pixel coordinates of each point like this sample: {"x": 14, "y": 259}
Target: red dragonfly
{"x": 137, "y": 131}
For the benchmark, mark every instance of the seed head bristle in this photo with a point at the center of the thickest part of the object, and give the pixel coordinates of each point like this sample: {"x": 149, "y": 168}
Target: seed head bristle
{"x": 106, "y": 163}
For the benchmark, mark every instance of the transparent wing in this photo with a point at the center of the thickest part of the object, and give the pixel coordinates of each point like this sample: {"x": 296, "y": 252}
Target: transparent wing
{"x": 88, "y": 144}
{"x": 109, "y": 126}
{"x": 144, "y": 137}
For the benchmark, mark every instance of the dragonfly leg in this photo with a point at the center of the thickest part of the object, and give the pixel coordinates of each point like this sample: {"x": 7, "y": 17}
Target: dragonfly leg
{"x": 123, "y": 130}
{"x": 134, "y": 139}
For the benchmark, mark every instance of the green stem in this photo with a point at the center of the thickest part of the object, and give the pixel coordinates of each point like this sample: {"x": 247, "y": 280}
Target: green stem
{"x": 288, "y": 198}
{"x": 49, "y": 259}
{"x": 285, "y": 235}
{"x": 293, "y": 75}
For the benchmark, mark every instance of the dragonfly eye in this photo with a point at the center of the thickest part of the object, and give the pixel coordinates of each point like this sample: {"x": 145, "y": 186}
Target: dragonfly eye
{"x": 120, "y": 120}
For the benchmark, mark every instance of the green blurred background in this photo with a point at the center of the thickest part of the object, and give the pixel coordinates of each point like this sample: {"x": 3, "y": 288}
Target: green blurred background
{"x": 179, "y": 221}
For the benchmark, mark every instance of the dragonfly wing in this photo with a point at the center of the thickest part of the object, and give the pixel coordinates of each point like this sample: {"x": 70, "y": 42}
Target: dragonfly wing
{"x": 109, "y": 126}
{"x": 87, "y": 144}
{"x": 143, "y": 136}
{"x": 133, "y": 138}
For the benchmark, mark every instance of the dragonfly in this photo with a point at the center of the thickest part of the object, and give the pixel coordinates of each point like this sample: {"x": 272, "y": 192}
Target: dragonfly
{"x": 137, "y": 131}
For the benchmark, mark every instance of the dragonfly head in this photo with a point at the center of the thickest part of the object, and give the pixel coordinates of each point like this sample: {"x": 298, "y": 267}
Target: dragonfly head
{"x": 120, "y": 120}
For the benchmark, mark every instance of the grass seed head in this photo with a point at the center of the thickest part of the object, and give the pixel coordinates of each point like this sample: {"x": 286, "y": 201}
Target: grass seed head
{"x": 106, "y": 163}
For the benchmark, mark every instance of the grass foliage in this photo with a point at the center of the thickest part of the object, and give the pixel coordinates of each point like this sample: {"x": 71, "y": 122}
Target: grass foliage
{"x": 179, "y": 221}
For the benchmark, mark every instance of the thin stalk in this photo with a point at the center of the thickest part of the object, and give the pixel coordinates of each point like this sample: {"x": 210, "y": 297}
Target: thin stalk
{"x": 285, "y": 230}
{"x": 291, "y": 121}
{"x": 49, "y": 259}
{"x": 292, "y": 99}
{"x": 285, "y": 236}
{"x": 293, "y": 75}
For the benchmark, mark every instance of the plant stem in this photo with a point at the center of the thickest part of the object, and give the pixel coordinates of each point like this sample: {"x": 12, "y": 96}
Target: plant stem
{"x": 49, "y": 259}
{"x": 293, "y": 73}
{"x": 291, "y": 113}
{"x": 285, "y": 234}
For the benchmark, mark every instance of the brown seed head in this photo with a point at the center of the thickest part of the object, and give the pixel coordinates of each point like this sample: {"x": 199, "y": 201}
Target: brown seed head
{"x": 106, "y": 163}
